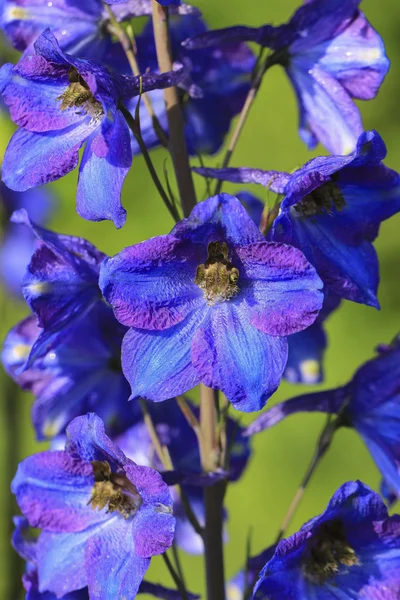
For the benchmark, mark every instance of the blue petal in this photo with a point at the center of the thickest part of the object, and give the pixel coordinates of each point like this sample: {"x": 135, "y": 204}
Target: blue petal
{"x": 105, "y": 163}
{"x": 306, "y": 349}
{"x": 157, "y": 364}
{"x": 231, "y": 355}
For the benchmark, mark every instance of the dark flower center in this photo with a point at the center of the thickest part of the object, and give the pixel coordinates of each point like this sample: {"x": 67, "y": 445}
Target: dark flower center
{"x": 78, "y": 95}
{"x": 217, "y": 277}
{"x": 321, "y": 200}
{"x": 326, "y": 552}
{"x": 114, "y": 491}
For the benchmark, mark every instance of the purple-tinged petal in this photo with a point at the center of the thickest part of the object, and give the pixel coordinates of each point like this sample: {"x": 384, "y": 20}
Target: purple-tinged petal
{"x": 329, "y": 401}
{"x": 253, "y": 205}
{"x": 264, "y": 35}
{"x": 153, "y": 530}
{"x": 275, "y": 181}
{"x": 151, "y": 285}
{"x": 105, "y": 163}
{"x": 22, "y": 540}
{"x": 114, "y": 569}
{"x": 87, "y": 441}
{"x": 33, "y": 159}
{"x": 143, "y": 8}
{"x": 53, "y": 490}
{"x": 324, "y": 101}
{"x": 157, "y": 364}
{"x": 280, "y": 288}
{"x": 220, "y": 216}
{"x": 231, "y": 355}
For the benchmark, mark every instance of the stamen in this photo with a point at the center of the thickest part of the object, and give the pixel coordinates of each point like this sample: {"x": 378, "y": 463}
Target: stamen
{"x": 217, "y": 277}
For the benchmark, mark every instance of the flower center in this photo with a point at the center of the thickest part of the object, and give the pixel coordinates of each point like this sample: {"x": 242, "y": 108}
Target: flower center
{"x": 78, "y": 95}
{"x": 326, "y": 552}
{"x": 321, "y": 200}
{"x": 217, "y": 277}
{"x": 114, "y": 491}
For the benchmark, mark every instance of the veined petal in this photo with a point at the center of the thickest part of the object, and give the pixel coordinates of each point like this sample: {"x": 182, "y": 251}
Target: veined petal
{"x": 324, "y": 101}
{"x": 153, "y": 530}
{"x": 151, "y": 285}
{"x": 231, "y": 355}
{"x": 53, "y": 490}
{"x": 157, "y": 364}
{"x": 273, "y": 180}
{"x": 33, "y": 159}
{"x": 105, "y": 163}
{"x": 280, "y": 288}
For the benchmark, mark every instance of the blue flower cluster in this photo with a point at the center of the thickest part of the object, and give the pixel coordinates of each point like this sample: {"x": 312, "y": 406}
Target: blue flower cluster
{"x": 233, "y": 299}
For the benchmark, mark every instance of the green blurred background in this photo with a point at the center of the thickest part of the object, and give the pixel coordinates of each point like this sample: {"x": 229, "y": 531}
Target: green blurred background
{"x": 260, "y": 500}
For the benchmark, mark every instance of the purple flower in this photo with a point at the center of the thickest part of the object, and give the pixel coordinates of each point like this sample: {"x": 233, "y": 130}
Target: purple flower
{"x": 82, "y": 29}
{"x": 61, "y": 102}
{"x": 331, "y": 55}
{"x": 222, "y": 73}
{"x": 370, "y": 403}
{"x": 18, "y": 242}
{"x": 331, "y": 210}
{"x": 350, "y": 551}
{"x": 61, "y": 282}
{"x": 80, "y": 374}
{"x": 102, "y": 516}
{"x": 212, "y": 302}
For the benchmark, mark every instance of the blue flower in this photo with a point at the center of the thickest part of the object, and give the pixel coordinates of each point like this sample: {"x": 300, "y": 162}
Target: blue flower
{"x": 80, "y": 374}
{"x": 223, "y": 74}
{"x": 25, "y": 544}
{"x": 177, "y": 435}
{"x": 61, "y": 102}
{"x": 212, "y": 302}
{"x": 350, "y": 551}
{"x": 331, "y": 54}
{"x": 370, "y": 403}
{"x": 102, "y": 516}
{"x": 81, "y": 29}
{"x": 60, "y": 284}
{"x": 331, "y": 210}
{"x": 18, "y": 243}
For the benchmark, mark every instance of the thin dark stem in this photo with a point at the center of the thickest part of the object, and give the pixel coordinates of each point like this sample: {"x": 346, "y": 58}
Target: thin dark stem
{"x": 323, "y": 444}
{"x": 190, "y": 514}
{"x": 177, "y": 559}
{"x": 260, "y": 70}
{"x": 135, "y": 128}
{"x": 177, "y": 580}
{"x": 213, "y": 542}
{"x": 176, "y": 126}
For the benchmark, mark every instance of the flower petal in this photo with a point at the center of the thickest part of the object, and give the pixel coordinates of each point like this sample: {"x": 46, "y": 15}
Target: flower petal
{"x": 151, "y": 285}
{"x": 231, "y": 355}
{"x": 273, "y": 180}
{"x": 280, "y": 288}
{"x": 157, "y": 364}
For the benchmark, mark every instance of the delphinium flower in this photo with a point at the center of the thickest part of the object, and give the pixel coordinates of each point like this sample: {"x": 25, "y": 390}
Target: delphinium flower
{"x": 81, "y": 29}
{"x": 370, "y": 403}
{"x": 61, "y": 282}
{"x": 350, "y": 551}
{"x": 102, "y": 516}
{"x": 178, "y": 436}
{"x": 331, "y": 54}
{"x": 332, "y": 208}
{"x": 222, "y": 73}
{"x": 307, "y": 347}
{"x": 81, "y": 373}
{"x": 61, "y": 102}
{"x": 212, "y": 302}
{"x": 25, "y": 543}
{"x": 18, "y": 242}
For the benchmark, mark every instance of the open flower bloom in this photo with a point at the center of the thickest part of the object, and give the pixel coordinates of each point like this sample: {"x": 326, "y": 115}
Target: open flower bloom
{"x": 102, "y": 516}
{"x": 61, "y": 282}
{"x": 81, "y": 28}
{"x": 61, "y": 102}
{"x": 331, "y": 210}
{"x": 351, "y": 551}
{"x": 178, "y": 436}
{"x": 331, "y": 54}
{"x": 81, "y": 373}
{"x": 370, "y": 403}
{"x": 212, "y": 302}
{"x": 222, "y": 73}
{"x": 26, "y": 544}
